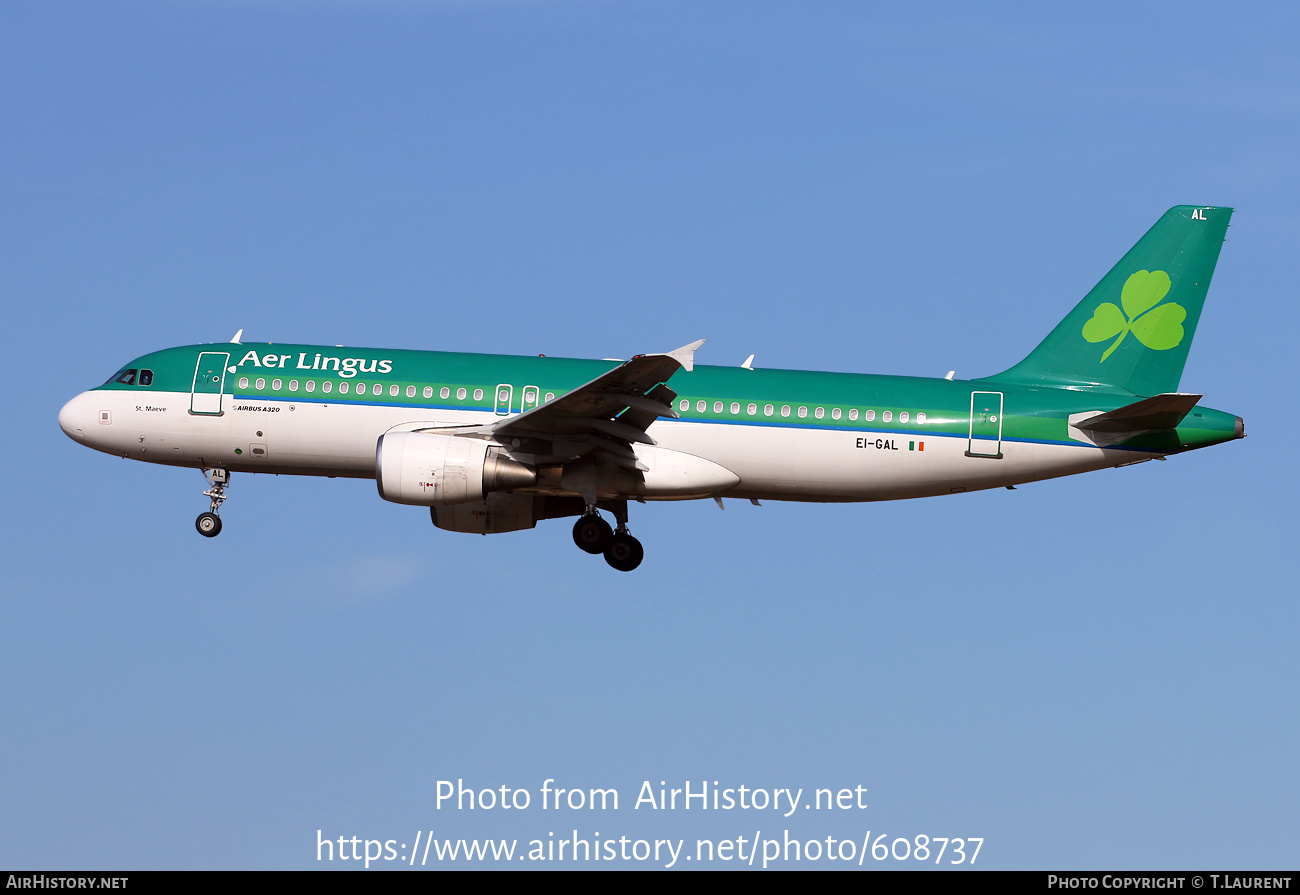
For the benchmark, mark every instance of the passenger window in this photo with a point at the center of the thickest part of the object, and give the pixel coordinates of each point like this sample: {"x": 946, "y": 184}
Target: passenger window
{"x": 392, "y": 391}
{"x": 717, "y": 407}
{"x": 819, "y": 412}
{"x": 326, "y": 386}
{"x": 311, "y": 385}
{"x": 685, "y": 405}
{"x": 275, "y": 385}
{"x": 702, "y": 406}
{"x": 903, "y": 417}
{"x": 803, "y": 412}
{"x": 887, "y": 415}
{"x": 920, "y": 419}
{"x": 735, "y": 407}
{"x": 835, "y": 414}
{"x": 752, "y": 408}
{"x": 126, "y": 377}
{"x": 261, "y": 384}
{"x": 478, "y": 394}
{"x": 410, "y": 391}
{"x": 785, "y": 410}
{"x": 293, "y": 385}
{"x": 550, "y": 396}
{"x": 343, "y": 388}
{"x": 378, "y": 389}
{"x": 853, "y": 414}
{"x": 871, "y": 415}
{"x": 428, "y": 391}
{"x": 460, "y": 394}
{"x": 444, "y": 392}
{"x": 767, "y": 410}
{"x": 146, "y": 377}
{"x": 243, "y": 382}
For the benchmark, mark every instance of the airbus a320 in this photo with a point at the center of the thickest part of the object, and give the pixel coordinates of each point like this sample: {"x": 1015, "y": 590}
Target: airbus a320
{"x": 494, "y": 443}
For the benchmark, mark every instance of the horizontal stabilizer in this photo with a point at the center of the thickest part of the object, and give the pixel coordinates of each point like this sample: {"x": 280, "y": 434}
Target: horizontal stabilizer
{"x": 1161, "y": 412}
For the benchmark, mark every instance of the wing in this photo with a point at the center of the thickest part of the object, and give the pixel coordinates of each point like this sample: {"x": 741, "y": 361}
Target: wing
{"x": 606, "y": 415}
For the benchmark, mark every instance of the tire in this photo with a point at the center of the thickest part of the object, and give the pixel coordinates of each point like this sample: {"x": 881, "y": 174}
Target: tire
{"x": 624, "y": 553}
{"x": 592, "y": 534}
{"x": 208, "y": 524}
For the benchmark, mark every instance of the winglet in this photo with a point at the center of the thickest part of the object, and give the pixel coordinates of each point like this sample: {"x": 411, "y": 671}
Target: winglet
{"x": 686, "y": 355}
{"x": 235, "y": 340}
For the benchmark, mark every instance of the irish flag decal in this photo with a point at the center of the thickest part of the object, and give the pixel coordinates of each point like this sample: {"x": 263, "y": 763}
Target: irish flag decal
{"x": 916, "y": 445}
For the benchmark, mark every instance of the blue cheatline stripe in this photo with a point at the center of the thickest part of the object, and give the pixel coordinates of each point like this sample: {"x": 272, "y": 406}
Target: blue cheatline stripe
{"x": 918, "y": 434}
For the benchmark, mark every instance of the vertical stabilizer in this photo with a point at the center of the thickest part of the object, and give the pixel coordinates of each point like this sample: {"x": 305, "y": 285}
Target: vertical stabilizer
{"x": 1131, "y": 333}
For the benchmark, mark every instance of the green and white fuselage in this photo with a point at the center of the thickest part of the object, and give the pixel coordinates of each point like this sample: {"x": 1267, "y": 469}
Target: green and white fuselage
{"x": 786, "y": 434}
{"x": 572, "y": 436}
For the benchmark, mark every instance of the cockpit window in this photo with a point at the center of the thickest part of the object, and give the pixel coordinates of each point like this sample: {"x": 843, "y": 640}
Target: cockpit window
{"x": 126, "y": 377}
{"x": 146, "y": 377}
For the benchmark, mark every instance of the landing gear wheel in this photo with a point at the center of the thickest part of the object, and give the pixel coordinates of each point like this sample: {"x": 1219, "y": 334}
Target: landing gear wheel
{"x": 208, "y": 524}
{"x": 592, "y": 534}
{"x": 624, "y": 552}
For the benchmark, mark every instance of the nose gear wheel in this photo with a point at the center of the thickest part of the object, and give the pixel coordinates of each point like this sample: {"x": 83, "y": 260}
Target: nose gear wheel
{"x": 208, "y": 524}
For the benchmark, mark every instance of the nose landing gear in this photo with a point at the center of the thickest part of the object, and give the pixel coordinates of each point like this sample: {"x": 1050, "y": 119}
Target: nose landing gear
{"x": 209, "y": 524}
{"x": 593, "y": 534}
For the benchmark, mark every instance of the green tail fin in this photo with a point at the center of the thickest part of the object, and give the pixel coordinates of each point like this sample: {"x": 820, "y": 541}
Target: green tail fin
{"x": 1133, "y": 330}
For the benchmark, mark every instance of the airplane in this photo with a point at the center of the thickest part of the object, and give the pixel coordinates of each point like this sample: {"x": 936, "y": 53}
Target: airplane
{"x": 494, "y": 443}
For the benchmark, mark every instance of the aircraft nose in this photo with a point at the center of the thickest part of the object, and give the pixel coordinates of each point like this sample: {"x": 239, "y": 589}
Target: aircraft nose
{"x": 72, "y": 418}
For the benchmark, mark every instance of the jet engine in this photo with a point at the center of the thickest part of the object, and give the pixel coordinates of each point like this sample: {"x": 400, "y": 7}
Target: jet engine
{"x": 426, "y": 469}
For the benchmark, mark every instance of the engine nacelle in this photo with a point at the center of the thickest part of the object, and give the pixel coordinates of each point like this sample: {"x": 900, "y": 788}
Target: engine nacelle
{"x": 426, "y": 469}
{"x": 499, "y": 513}
{"x": 504, "y": 512}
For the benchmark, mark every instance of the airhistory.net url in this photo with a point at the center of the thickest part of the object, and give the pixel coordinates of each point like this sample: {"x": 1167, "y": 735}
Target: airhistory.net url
{"x": 749, "y": 850}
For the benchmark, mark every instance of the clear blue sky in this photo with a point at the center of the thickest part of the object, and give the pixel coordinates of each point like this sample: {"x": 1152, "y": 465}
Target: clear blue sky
{"x": 1091, "y": 672}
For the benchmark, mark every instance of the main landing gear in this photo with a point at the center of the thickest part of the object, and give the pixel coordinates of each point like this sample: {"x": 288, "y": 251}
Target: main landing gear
{"x": 209, "y": 524}
{"x": 594, "y": 535}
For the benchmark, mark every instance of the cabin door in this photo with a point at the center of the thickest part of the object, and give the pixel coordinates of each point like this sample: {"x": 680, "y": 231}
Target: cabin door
{"x": 985, "y": 438}
{"x": 209, "y": 382}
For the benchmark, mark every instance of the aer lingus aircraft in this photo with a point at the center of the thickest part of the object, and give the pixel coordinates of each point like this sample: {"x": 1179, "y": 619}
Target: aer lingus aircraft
{"x": 495, "y": 443}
